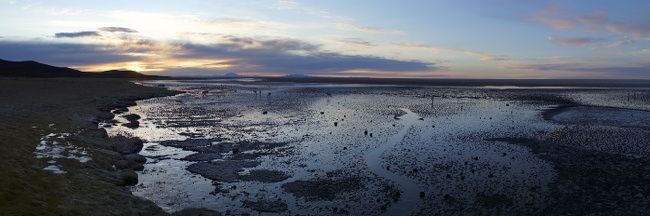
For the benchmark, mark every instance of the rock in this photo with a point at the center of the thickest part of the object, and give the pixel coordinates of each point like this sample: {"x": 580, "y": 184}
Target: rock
{"x": 133, "y": 121}
{"x": 126, "y": 164}
{"x": 127, "y": 178}
{"x": 135, "y": 158}
{"x": 137, "y": 167}
{"x": 120, "y": 110}
{"x": 125, "y": 145}
{"x": 131, "y": 117}
{"x": 122, "y": 164}
{"x": 132, "y": 125}
{"x": 102, "y": 117}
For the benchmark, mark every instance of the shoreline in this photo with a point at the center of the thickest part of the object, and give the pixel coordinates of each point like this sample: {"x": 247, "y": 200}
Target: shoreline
{"x": 35, "y": 107}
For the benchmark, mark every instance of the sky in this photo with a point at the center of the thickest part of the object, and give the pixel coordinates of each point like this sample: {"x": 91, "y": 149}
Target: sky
{"x": 337, "y": 38}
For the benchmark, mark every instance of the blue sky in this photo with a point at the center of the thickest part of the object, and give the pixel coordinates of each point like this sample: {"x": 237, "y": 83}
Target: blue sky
{"x": 364, "y": 38}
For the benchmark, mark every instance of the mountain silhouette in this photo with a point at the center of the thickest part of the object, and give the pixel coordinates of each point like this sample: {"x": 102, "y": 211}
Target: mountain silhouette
{"x": 37, "y": 69}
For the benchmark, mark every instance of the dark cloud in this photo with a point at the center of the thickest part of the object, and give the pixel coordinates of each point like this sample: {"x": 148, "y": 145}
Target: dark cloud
{"x": 285, "y": 56}
{"x": 61, "y": 54}
{"x": 294, "y": 57}
{"x": 77, "y": 34}
{"x": 271, "y": 44}
{"x": 93, "y": 33}
{"x": 118, "y": 29}
{"x": 577, "y": 41}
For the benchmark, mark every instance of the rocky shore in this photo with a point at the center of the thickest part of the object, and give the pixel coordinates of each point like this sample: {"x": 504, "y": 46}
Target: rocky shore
{"x": 37, "y": 182}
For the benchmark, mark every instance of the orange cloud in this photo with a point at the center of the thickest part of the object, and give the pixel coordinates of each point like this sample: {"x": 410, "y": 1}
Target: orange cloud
{"x": 553, "y": 17}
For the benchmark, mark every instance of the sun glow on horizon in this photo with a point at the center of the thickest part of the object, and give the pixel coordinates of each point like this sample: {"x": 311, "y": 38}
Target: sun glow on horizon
{"x": 334, "y": 38}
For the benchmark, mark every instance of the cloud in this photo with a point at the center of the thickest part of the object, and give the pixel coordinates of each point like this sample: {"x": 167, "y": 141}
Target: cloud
{"x": 481, "y": 55}
{"x": 598, "y": 21}
{"x": 553, "y": 16}
{"x": 271, "y": 44}
{"x": 579, "y": 41}
{"x": 61, "y": 54}
{"x": 237, "y": 23}
{"x": 226, "y": 55}
{"x": 118, "y": 29}
{"x": 77, "y": 34}
{"x": 292, "y": 57}
{"x": 366, "y": 29}
{"x": 641, "y": 71}
{"x": 311, "y": 11}
{"x": 356, "y": 41}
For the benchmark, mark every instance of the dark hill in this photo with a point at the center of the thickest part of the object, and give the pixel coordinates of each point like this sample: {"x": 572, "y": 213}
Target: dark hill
{"x": 36, "y": 69}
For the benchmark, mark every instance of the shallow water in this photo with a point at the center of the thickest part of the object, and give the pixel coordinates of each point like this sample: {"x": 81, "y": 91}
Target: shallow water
{"x": 409, "y": 189}
{"x": 392, "y": 144}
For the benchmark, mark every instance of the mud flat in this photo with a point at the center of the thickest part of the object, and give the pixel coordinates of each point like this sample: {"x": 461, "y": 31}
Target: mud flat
{"x": 604, "y": 116}
{"x": 322, "y": 189}
{"x": 601, "y": 157}
{"x": 257, "y": 147}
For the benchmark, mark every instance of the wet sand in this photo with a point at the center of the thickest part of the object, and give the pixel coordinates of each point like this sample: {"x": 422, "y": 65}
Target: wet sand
{"x": 256, "y": 147}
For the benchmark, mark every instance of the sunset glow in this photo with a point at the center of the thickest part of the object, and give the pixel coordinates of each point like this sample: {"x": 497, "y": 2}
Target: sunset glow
{"x": 428, "y": 39}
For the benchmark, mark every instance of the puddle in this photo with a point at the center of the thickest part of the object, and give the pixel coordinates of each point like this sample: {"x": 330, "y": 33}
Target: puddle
{"x": 54, "y": 147}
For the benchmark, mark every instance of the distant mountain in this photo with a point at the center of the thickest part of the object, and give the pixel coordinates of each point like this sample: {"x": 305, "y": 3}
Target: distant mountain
{"x": 36, "y": 69}
{"x": 122, "y": 74}
{"x": 231, "y": 75}
{"x": 296, "y": 76}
